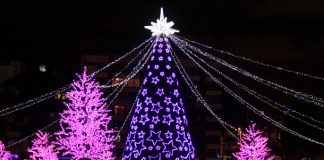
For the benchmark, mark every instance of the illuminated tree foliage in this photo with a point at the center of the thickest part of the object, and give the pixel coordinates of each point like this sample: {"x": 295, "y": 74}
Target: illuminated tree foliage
{"x": 253, "y": 145}
{"x": 159, "y": 127}
{"x": 41, "y": 148}
{"x": 4, "y": 155}
{"x": 85, "y": 133}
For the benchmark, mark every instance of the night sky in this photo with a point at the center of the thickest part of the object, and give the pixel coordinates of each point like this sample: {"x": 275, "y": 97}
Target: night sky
{"x": 287, "y": 33}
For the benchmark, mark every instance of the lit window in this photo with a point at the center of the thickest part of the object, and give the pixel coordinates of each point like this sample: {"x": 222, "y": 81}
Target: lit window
{"x": 60, "y": 96}
{"x": 117, "y": 80}
{"x": 133, "y": 83}
{"x": 119, "y": 110}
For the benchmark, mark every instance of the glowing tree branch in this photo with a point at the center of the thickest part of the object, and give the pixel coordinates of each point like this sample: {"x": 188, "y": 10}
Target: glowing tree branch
{"x": 42, "y": 149}
{"x": 85, "y": 132}
{"x": 253, "y": 146}
{"x": 4, "y": 155}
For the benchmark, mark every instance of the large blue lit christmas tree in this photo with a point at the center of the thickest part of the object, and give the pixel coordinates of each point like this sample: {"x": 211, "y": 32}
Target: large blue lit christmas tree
{"x": 159, "y": 127}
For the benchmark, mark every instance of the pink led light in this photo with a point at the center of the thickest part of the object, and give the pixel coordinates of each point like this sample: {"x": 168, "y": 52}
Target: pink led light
{"x": 41, "y": 148}
{"x": 4, "y": 155}
{"x": 85, "y": 132}
{"x": 253, "y": 145}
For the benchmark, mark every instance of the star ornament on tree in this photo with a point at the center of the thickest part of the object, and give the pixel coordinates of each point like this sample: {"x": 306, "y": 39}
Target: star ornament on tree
{"x": 162, "y": 26}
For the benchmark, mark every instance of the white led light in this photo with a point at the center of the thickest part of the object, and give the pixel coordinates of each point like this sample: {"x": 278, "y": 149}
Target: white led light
{"x": 161, "y": 27}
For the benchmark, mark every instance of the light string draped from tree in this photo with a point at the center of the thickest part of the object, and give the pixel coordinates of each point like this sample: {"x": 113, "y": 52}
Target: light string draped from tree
{"x": 127, "y": 117}
{"x": 31, "y": 135}
{"x": 135, "y": 69}
{"x": 297, "y": 94}
{"x": 48, "y": 95}
{"x": 194, "y": 90}
{"x": 245, "y": 103}
{"x": 251, "y": 60}
{"x": 133, "y": 73}
{"x": 132, "y": 60}
{"x": 266, "y": 100}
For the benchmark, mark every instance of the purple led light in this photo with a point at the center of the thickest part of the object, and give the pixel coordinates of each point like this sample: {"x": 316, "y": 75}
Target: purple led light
{"x": 160, "y": 117}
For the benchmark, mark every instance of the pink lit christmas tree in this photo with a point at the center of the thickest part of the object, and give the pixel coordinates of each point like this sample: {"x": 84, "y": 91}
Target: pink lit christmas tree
{"x": 41, "y": 148}
{"x": 85, "y": 133}
{"x": 4, "y": 155}
{"x": 253, "y": 145}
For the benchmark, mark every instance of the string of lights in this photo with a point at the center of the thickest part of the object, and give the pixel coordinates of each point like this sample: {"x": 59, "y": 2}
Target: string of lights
{"x": 248, "y": 105}
{"x": 38, "y": 99}
{"x": 48, "y": 95}
{"x": 32, "y": 135}
{"x": 130, "y": 62}
{"x": 122, "y": 57}
{"x": 111, "y": 101}
{"x": 26, "y": 106}
{"x": 127, "y": 117}
{"x": 135, "y": 70}
{"x": 297, "y": 94}
{"x": 265, "y": 99}
{"x": 251, "y": 60}
{"x": 193, "y": 88}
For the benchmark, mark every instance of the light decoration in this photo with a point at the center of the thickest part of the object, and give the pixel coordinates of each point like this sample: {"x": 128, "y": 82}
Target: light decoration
{"x": 4, "y": 155}
{"x": 318, "y": 101}
{"x": 253, "y": 145}
{"x": 253, "y": 61}
{"x": 161, "y": 27}
{"x": 85, "y": 132}
{"x": 287, "y": 111}
{"x": 159, "y": 132}
{"x": 41, "y": 148}
{"x": 244, "y": 102}
{"x": 228, "y": 127}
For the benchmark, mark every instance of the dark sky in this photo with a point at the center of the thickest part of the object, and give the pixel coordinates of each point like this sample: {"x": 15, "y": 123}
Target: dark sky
{"x": 37, "y": 30}
{"x": 288, "y": 33}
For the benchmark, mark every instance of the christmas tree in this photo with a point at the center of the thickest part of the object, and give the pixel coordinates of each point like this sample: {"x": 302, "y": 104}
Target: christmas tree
{"x": 85, "y": 133}
{"x": 159, "y": 127}
{"x": 4, "y": 155}
{"x": 253, "y": 145}
{"x": 41, "y": 148}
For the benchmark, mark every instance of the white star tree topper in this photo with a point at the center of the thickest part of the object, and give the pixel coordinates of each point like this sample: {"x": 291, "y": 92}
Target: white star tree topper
{"x": 161, "y": 26}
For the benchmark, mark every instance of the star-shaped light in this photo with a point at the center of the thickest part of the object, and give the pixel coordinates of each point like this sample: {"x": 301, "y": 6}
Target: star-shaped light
{"x": 155, "y": 137}
{"x": 169, "y": 147}
{"x": 141, "y": 148}
{"x": 155, "y": 119}
{"x": 160, "y": 91}
{"x": 167, "y": 119}
{"x": 161, "y": 26}
{"x": 144, "y": 119}
{"x": 156, "y": 107}
{"x": 181, "y": 138}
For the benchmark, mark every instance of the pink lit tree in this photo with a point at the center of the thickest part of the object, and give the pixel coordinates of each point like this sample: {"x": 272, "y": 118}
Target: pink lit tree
{"x": 85, "y": 133}
{"x": 4, "y": 155}
{"x": 41, "y": 148}
{"x": 253, "y": 145}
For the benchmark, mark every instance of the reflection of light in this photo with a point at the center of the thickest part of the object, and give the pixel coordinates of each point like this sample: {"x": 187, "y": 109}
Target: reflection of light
{"x": 42, "y": 68}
